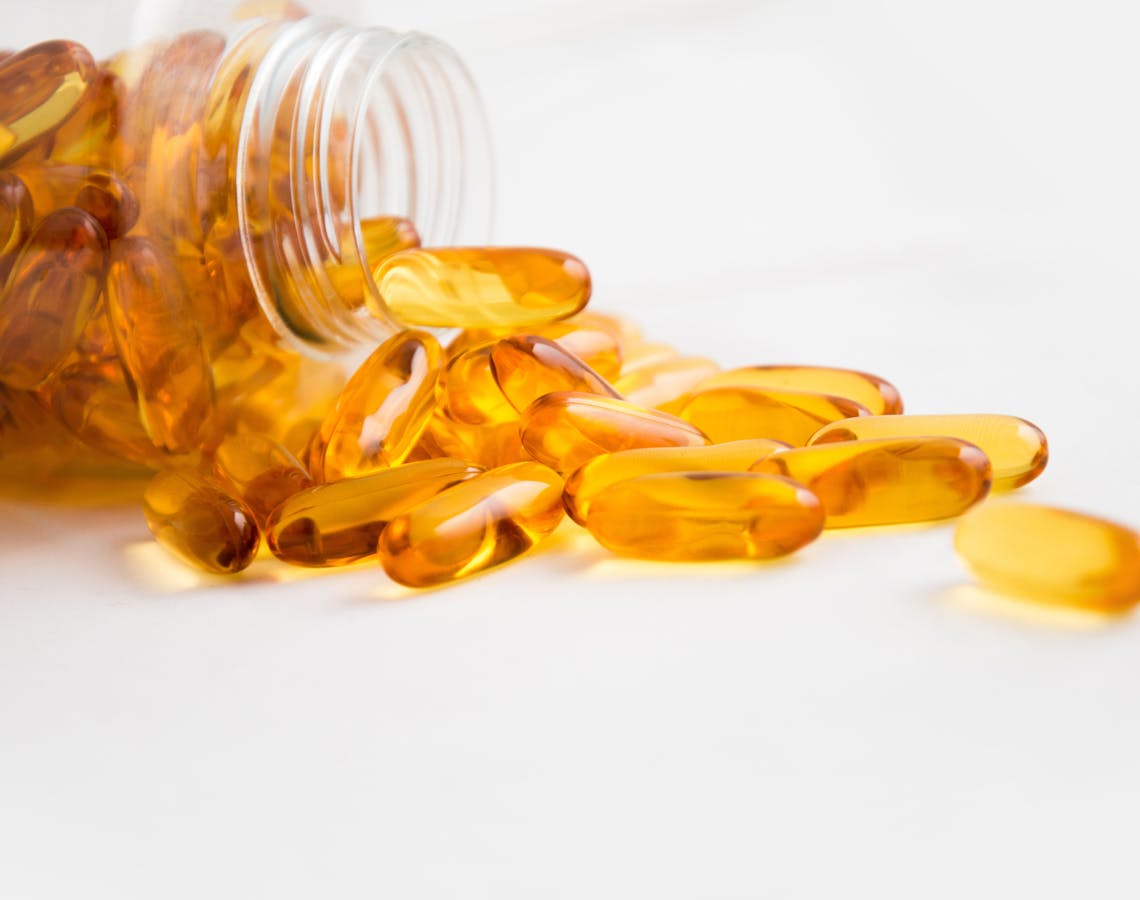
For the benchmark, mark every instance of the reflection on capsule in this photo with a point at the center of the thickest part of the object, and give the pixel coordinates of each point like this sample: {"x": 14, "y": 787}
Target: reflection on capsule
{"x": 736, "y": 413}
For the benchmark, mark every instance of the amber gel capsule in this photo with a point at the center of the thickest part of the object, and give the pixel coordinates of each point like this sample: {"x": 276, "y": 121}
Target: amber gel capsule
{"x": 565, "y": 430}
{"x": 1052, "y": 555}
{"x": 102, "y": 193}
{"x": 528, "y": 367}
{"x": 736, "y": 413}
{"x": 340, "y": 522}
{"x": 877, "y": 394}
{"x": 470, "y": 392}
{"x": 472, "y": 527}
{"x": 477, "y": 287}
{"x": 667, "y": 384}
{"x": 261, "y": 470}
{"x": 593, "y": 344}
{"x": 197, "y": 521}
{"x": 610, "y": 468}
{"x": 16, "y": 215}
{"x": 694, "y": 516}
{"x": 887, "y": 481}
{"x": 1017, "y": 449}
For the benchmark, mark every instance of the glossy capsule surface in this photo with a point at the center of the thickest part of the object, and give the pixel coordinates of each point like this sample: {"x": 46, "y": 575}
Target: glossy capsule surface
{"x": 1017, "y": 449}
{"x": 592, "y": 343}
{"x": 103, "y": 194}
{"x": 694, "y": 516}
{"x": 878, "y": 395}
{"x": 1052, "y": 555}
{"x": 888, "y": 481}
{"x": 340, "y": 522}
{"x": 736, "y": 413}
{"x": 198, "y": 521}
{"x": 16, "y": 215}
{"x": 478, "y": 525}
{"x": 489, "y": 446}
{"x": 261, "y": 471}
{"x": 475, "y": 287}
{"x": 382, "y": 410}
{"x": 527, "y": 367}
{"x": 666, "y": 385}
{"x": 49, "y": 296}
{"x": 565, "y": 430}
{"x": 602, "y": 471}
{"x": 471, "y": 394}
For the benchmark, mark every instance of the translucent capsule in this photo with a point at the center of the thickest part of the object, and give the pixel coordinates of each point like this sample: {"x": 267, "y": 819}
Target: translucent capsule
{"x": 159, "y": 344}
{"x": 90, "y": 136}
{"x": 610, "y": 468}
{"x": 565, "y": 430}
{"x": 482, "y": 287}
{"x": 489, "y": 446}
{"x": 593, "y": 345}
{"x": 470, "y": 392}
{"x": 382, "y": 411}
{"x": 16, "y": 215}
{"x": 380, "y": 237}
{"x": 50, "y": 293}
{"x": 736, "y": 413}
{"x": 666, "y": 385}
{"x": 261, "y": 471}
{"x": 1017, "y": 449}
{"x": 340, "y": 522}
{"x": 878, "y": 395}
{"x": 694, "y": 516}
{"x": 39, "y": 89}
{"x": 195, "y": 519}
{"x": 472, "y": 527}
{"x": 645, "y": 355}
{"x": 625, "y": 331}
{"x": 103, "y": 194}
{"x": 527, "y": 367}
{"x": 1052, "y": 555}
{"x": 887, "y": 481}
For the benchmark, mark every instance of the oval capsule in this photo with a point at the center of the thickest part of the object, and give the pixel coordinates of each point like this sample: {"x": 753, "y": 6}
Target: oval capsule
{"x": 878, "y": 395}
{"x": 17, "y": 213}
{"x": 527, "y": 367}
{"x": 195, "y": 519}
{"x": 565, "y": 430}
{"x": 261, "y": 471}
{"x": 472, "y": 527}
{"x": 103, "y": 194}
{"x": 666, "y": 385}
{"x": 889, "y": 481}
{"x": 1017, "y": 449}
{"x": 470, "y": 393}
{"x": 90, "y": 136}
{"x": 643, "y": 355}
{"x": 1052, "y": 555}
{"x": 340, "y": 522}
{"x": 736, "y": 413}
{"x": 697, "y": 516}
{"x": 380, "y": 237}
{"x": 600, "y": 472}
{"x": 475, "y": 287}
{"x": 489, "y": 446}
{"x": 590, "y": 341}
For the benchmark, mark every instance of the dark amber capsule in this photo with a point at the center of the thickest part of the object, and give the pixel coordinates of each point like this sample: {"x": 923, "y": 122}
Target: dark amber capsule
{"x": 195, "y": 519}
{"x": 382, "y": 411}
{"x": 16, "y": 214}
{"x": 261, "y": 471}
{"x": 91, "y": 135}
{"x": 878, "y": 395}
{"x": 696, "y": 516}
{"x": 102, "y": 193}
{"x": 49, "y": 296}
{"x": 470, "y": 393}
{"x": 565, "y": 430}
{"x": 479, "y": 287}
{"x": 1052, "y": 555}
{"x": 888, "y": 481}
{"x": 159, "y": 344}
{"x": 736, "y": 413}
{"x": 667, "y": 384}
{"x": 1017, "y": 449}
{"x": 527, "y": 367}
{"x": 340, "y": 522}
{"x": 610, "y": 468}
{"x": 472, "y": 527}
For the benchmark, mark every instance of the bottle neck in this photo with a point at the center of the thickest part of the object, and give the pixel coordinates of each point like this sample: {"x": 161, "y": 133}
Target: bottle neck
{"x": 341, "y": 126}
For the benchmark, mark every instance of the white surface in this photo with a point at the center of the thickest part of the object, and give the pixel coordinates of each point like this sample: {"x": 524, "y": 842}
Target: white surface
{"x": 945, "y": 194}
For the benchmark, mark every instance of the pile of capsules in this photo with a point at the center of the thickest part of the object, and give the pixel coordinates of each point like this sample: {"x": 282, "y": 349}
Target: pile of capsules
{"x": 141, "y": 343}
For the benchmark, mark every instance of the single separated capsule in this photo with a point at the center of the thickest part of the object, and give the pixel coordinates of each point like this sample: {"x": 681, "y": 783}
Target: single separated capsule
{"x": 194, "y": 518}
{"x": 878, "y": 395}
{"x": 476, "y": 287}
{"x": 1052, "y": 555}
{"x": 340, "y": 522}
{"x": 565, "y": 430}
{"x": 600, "y": 472}
{"x": 737, "y": 413}
{"x": 1017, "y": 449}
{"x": 695, "y": 516}
{"x": 527, "y": 367}
{"x": 888, "y": 481}
{"x": 478, "y": 525}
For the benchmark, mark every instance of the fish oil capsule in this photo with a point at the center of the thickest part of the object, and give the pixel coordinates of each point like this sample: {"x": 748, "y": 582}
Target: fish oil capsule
{"x": 478, "y": 525}
{"x": 261, "y": 471}
{"x": 527, "y": 367}
{"x": 39, "y": 89}
{"x": 888, "y": 481}
{"x": 594, "y": 346}
{"x": 90, "y": 136}
{"x": 340, "y": 522}
{"x": 878, "y": 395}
{"x": 489, "y": 446}
{"x": 600, "y": 472}
{"x": 736, "y": 413}
{"x": 625, "y": 331}
{"x": 1052, "y": 555}
{"x": 159, "y": 344}
{"x": 645, "y": 355}
{"x": 380, "y": 237}
{"x": 103, "y": 194}
{"x": 696, "y": 516}
{"x": 666, "y": 385}
{"x": 470, "y": 392}
{"x": 382, "y": 410}
{"x": 1017, "y": 449}
{"x": 195, "y": 519}
{"x": 481, "y": 287}
{"x": 16, "y": 215}
{"x": 50, "y": 293}
{"x": 565, "y": 430}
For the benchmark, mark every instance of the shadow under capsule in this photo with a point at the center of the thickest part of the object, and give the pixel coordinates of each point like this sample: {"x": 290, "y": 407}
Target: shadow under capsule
{"x": 973, "y": 599}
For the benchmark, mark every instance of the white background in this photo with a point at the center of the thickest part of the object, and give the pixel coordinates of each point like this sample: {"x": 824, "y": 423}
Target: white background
{"x": 943, "y": 193}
